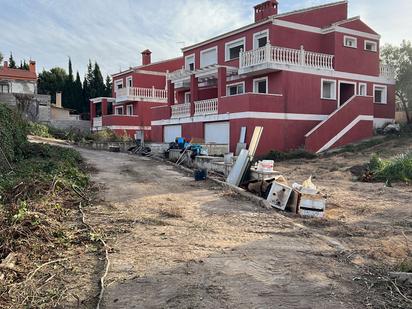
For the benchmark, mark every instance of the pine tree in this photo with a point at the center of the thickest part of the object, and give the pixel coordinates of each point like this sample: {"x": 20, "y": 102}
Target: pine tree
{"x": 1, "y": 58}
{"x": 21, "y": 65}
{"x": 12, "y": 63}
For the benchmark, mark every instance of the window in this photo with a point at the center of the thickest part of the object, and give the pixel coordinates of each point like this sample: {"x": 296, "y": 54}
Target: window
{"x": 119, "y": 110}
{"x": 260, "y": 85}
{"x": 380, "y": 94}
{"x": 349, "y": 41}
{"x": 260, "y": 39}
{"x": 187, "y": 97}
{"x": 362, "y": 91}
{"x": 371, "y": 46}
{"x": 129, "y": 110}
{"x": 4, "y": 88}
{"x": 328, "y": 89}
{"x": 232, "y": 49}
{"x": 190, "y": 63}
{"x": 119, "y": 84}
{"x": 235, "y": 89}
{"x": 208, "y": 57}
{"x": 129, "y": 82}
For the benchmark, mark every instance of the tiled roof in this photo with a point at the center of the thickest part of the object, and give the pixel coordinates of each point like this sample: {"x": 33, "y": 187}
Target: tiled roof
{"x": 7, "y": 73}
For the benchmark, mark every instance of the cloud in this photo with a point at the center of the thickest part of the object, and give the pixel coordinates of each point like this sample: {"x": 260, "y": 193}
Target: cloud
{"x": 114, "y": 32}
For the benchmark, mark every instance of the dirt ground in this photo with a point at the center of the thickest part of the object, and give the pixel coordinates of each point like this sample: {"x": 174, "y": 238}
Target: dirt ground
{"x": 181, "y": 244}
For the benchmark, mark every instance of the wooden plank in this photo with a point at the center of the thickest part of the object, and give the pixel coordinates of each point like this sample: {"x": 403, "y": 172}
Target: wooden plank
{"x": 254, "y": 142}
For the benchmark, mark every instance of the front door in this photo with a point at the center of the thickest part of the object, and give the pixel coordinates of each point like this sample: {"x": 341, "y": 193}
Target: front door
{"x": 346, "y": 91}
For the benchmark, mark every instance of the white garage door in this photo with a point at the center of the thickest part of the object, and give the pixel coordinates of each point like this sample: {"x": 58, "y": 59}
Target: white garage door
{"x": 217, "y": 132}
{"x": 171, "y": 132}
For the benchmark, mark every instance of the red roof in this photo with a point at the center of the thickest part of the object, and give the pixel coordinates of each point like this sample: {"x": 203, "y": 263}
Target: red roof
{"x": 7, "y": 73}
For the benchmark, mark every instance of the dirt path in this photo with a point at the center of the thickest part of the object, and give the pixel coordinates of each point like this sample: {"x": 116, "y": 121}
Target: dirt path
{"x": 181, "y": 244}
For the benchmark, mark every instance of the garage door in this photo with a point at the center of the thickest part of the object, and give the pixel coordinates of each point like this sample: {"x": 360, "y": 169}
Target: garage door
{"x": 217, "y": 132}
{"x": 171, "y": 132}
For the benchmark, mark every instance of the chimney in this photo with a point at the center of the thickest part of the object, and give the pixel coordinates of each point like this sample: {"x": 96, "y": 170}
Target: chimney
{"x": 32, "y": 66}
{"x": 5, "y": 65}
{"x": 146, "y": 57}
{"x": 266, "y": 9}
{"x": 59, "y": 99}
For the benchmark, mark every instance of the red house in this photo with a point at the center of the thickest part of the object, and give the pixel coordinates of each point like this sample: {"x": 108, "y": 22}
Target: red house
{"x": 312, "y": 78}
{"x": 135, "y": 92}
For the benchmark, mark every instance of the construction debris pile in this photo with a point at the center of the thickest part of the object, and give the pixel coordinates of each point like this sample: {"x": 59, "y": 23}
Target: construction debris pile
{"x": 263, "y": 180}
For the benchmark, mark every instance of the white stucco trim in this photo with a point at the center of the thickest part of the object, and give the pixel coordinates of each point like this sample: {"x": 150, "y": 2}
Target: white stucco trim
{"x": 380, "y": 122}
{"x": 241, "y": 115}
{"x": 338, "y": 136}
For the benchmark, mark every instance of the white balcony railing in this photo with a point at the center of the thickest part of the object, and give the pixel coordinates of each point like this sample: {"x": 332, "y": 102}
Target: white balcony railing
{"x": 387, "y": 71}
{"x": 97, "y": 122}
{"x": 206, "y": 107}
{"x": 180, "y": 110}
{"x": 145, "y": 94}
{"x": 287, "y": 56}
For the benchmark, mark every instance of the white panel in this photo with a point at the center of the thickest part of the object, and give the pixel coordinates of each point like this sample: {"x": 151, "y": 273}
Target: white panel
{"x": 171, "y": 132}
{"x": 208, "y": 58}
{"x": 217, "y": 132}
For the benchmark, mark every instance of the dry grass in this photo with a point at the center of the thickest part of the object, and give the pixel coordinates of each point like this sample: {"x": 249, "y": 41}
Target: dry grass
{"x": 172, "y": 211}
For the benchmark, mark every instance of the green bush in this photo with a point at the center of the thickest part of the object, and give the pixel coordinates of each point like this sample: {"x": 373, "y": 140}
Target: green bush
{"x": 39, "y": 129}
{"x": 13, "y": 134}
{"x": 398, "y": 168}
{"x": 107, "y": 135}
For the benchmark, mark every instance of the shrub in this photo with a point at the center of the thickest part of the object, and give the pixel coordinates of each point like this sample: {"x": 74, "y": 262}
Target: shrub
{"x": 13, "y": 134}
{"x": 398, "y": 168}
{"x": 38, "y": 129}
{"x": 107, "y": 135}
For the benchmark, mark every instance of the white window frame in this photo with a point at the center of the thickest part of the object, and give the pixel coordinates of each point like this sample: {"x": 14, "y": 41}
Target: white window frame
{"x": 347, "y": 37}
{"x": 127, "y": 110}
{"x": 234, "y": 43}
{"x": 334, "y": 97}
{"x": 359, "y": 89}
{"x": 117, "y": 83}
{"x": 186, "y": 96}
{"x": 116, "y": 110}
{"x": 256, "y": 80}
{"x": 374, "y": 48}
{"x": 193, "y": 61}
{"x": 235, "y": 84}
{"x": 205, "y": 51}
{"x": 129, "y": 80}
{"x": 259, "y": 35}
{"x": 385, "y": 94}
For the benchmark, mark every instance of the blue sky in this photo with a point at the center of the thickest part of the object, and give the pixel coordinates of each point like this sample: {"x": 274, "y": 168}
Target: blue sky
{"x": 114, "y": 32}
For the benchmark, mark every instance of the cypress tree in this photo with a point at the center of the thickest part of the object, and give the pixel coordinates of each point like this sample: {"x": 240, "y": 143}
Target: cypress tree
{"x": 108, "y": 87}
{"x": 12, "y": 63}
{"x": 68, "y": 95}
{"x": 78, "y": 93}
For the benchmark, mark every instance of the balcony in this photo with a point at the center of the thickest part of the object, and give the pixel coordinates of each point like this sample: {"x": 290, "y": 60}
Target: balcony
{"x": 132, "y": 94}
{"x": 279, "y": 58}
{"x": 206, "y": 107}
{"x": 180, "y": 110}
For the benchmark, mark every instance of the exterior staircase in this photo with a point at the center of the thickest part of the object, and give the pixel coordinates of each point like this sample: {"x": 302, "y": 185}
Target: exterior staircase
{"x": 351, "y": 122}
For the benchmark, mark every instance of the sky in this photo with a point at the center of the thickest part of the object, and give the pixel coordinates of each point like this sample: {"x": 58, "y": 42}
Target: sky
{"x": 114, "y": 32}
